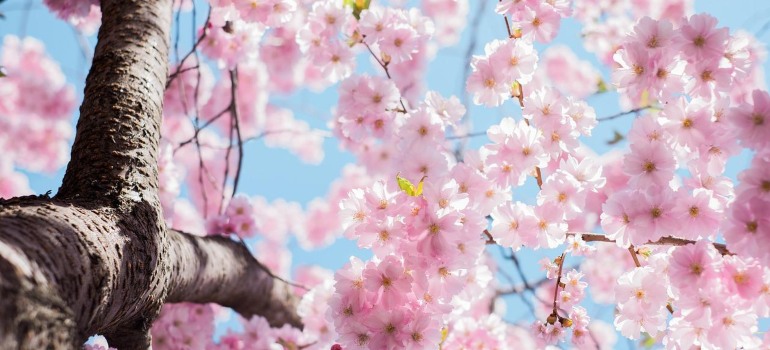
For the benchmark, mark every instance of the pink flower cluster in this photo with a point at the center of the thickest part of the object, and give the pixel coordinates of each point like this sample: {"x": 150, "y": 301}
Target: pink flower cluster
{"x": 322, "y": 219}
{"x": 660, "y": 61}
{"x": 429, "y": 281}
{"x": 85, "y": 15}
{"x": 399, "y": 40}
{"x": 320, "y": 38}
{"x": 561, "y": 68}
{"x": 746, "y": 231}
{"x": 715, "y": 300}
{"x": 521, "y": 149}
{"x": 38, "y": 103}
{"x": 605, "y": 23}
{"x": 697, "y": 132}
{"x": 191, "y": 326}
{"x": 449, "y": 18}
{"x": 228, "y": 39}
{"x": 494, "y": 74}
{"x": 533, "y": 19}
{"x": 438, "y": 234}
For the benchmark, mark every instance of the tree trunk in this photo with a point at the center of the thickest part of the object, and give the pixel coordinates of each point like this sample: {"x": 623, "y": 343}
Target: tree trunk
{"x": 97, "y": 258}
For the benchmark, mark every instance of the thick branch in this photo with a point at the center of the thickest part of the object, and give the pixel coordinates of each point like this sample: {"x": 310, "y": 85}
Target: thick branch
{"x": 80, "y": 267}
{"x": 114, "y": 154}
{"x": 97, "y": 259}
{"x": 219, "y": 270}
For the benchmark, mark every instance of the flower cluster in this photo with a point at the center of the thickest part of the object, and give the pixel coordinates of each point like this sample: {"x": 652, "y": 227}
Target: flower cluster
{"x": 449, "y": 18}
{"x": 438, "y": 233}
{"x": 494, "y": 74}
{"x": 696, "y": 90}
{"x": 535, "y": 20}
{"x": 37, "y": 103}
{"x": 746, "y": 230}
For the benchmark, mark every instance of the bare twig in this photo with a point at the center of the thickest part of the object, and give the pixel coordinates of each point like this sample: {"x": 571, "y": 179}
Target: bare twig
{"x": 594, "y": 237}
{"x": 558, "y": 284}
{"x": 468, "y": 135}
{"x": 384, "y": 66}
{"x": 629, "y": 112}
{"x": 193, "y": 50}
{"x": 633, "y": 255}
{"x": 234, "y": 80}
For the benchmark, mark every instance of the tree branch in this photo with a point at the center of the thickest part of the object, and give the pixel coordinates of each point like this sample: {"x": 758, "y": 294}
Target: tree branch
{"x": 115, "y": 149}
{"x": 216, "y": 269}
{"x": 620, "y": 114}
{"x": 97, "y": 258}
{"x": 594, "y": 237}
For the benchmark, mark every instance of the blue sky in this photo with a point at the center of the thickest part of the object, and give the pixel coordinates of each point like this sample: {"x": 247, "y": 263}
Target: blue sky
{"x": 274, "y": 173}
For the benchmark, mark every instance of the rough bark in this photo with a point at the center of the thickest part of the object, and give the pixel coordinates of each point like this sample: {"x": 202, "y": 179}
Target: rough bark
{"x": 97, "y": 258}
{"x": 202, "y": 277}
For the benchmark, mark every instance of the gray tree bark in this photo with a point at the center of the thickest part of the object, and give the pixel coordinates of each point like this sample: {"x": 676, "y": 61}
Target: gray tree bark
{"x": 97, "y": 258}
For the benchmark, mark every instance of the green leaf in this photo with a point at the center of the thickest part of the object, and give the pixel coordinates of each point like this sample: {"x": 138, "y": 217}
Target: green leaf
{"x": 601, "y": 86}
{"x": 408, "y": 187}
{"x": 617, "y": 137}
{"x": 358, "y": 6}
{"x": 419, "y": 186}
{"x": 647, "y": 341}
{"x": 644, "y": 99}
{"x": 405, "y": 185}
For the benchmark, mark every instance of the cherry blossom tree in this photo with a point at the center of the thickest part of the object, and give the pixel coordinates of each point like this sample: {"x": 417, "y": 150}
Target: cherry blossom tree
{"x": 150, "y": 241}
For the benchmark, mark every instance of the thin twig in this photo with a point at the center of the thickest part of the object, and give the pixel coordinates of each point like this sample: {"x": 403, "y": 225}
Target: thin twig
{"x": 618, "y": 115}
{"x": 475, "y": 24}
{"x": 558, "y": 283}
{"x": 468, "y": 135}
{"x": 267, "y": 270}
{"x": 193, "y": 50}
{"x": 507, "y": 25}
{"x": 634, "y": 256}
{"x": 595, "y": 237}
{"x": 387, "y": 72}
{"x": 25, "y": 19}
{"x": 234, "y": 79}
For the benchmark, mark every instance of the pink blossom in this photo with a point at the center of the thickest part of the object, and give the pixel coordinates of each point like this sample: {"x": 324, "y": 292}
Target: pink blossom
{"x": 743, "y": 276}
{"x": 699, "y": 214}
{"x": 353, "y": 212}
{"x": 756, "y": 179}
{"x": 700, "y": 39}
{"x": 746, "y": 229}
{"x": 540, "y": 22}
{"x": 388, "y": 280}
{"x": 752, "y": 121}
{"x": 565, "y": 192}
{"x": 692, "y": 264}
{"x": 516, "y": 59}
{"x": 388, "y": 329}
{"x": 635, "y": 72}
{"x": 552, "y": 229}
{"x": 574, "y": 77}
{"x": 399, "y": 44}
{"x": 514, "y": 225}
{"x": 577, "y": 247}
{"x": 618, "y": 217}
{"x": 649, "y": 164}
{"x": 642, "y": 299}
{"x": 487, "y": 84}
{"x": 657, "y": 217}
